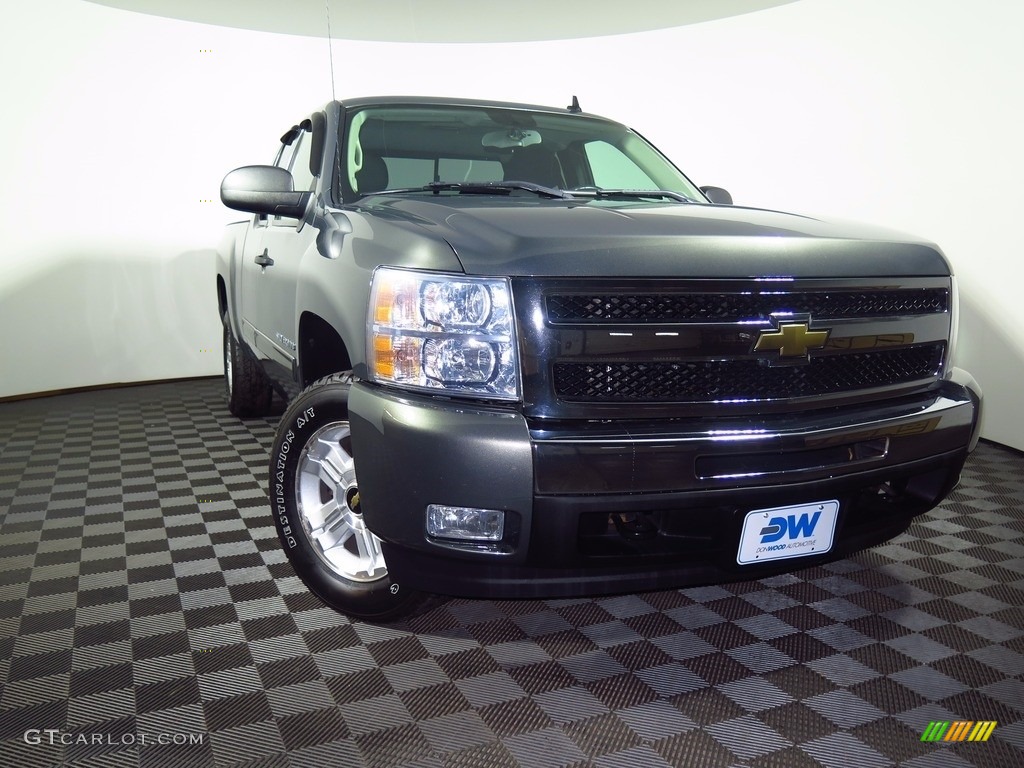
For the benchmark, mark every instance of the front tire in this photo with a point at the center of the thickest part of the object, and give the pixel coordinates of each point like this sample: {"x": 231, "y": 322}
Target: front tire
{"x": 314, "y": 495}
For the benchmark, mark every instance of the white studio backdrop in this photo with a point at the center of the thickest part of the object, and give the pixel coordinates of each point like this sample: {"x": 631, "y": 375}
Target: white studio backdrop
{"x": 119, "y": 127}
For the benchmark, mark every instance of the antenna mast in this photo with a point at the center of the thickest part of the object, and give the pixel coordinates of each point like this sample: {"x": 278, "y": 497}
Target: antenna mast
{"x": 330, "y": 47}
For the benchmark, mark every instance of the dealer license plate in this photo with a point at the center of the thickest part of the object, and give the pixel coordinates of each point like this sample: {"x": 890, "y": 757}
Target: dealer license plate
{"x": 782, "y": 532}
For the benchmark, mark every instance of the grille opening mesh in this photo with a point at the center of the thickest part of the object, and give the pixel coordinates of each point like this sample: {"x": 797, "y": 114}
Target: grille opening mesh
{"x": 744, "y": 380}
{"x": 723, "y": 307}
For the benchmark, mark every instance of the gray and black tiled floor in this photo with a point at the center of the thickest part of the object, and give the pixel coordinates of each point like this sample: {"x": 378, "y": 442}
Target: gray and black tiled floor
{"x": 144, "y": 601}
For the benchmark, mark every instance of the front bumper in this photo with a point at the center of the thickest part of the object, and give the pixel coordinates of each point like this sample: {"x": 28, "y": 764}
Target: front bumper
{"x": 615, "y": 507}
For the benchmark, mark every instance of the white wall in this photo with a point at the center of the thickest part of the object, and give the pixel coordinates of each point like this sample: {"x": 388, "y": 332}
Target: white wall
{"x": 119, "y": 126}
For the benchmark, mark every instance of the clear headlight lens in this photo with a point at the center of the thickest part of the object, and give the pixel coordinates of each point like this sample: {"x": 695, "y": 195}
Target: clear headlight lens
{"x": 434, "y": 331}
{"x": 456, "y": 305}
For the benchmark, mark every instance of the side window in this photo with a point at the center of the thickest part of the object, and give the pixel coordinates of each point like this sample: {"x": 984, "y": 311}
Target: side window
{"x": 612, "y": 169}
{"x": 282, "y": 157}
{"x": 284, "y": 153}
{"x": 295, "y": 158}
{"x": 299, "y": 165}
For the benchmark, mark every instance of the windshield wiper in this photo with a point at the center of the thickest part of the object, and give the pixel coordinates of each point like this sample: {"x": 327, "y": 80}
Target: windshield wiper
{"x": 512, "y": 185}
{"x": 496, "y": 187}
{"x": 481, "y": 188}
{"x": 637, "y": 194}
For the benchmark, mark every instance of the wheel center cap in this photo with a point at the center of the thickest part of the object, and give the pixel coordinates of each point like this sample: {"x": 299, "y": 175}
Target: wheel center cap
{"x": 352, "y": 499}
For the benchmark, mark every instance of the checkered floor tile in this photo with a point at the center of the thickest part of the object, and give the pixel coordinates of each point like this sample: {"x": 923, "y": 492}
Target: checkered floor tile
{"x": 149, "y": 618}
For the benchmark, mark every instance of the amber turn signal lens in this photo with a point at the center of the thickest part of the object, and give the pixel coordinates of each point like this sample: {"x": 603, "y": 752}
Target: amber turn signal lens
{"x": 383, "y": 354}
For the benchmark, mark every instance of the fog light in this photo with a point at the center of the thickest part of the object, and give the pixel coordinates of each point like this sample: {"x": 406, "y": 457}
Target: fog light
{"x": 465, "y": 523}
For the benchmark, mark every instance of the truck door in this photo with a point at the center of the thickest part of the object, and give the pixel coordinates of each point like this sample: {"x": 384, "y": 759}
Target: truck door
{"x": 252, "y": 264}
{"x": 249, "y": 275}
{"x": 272, "y": 266}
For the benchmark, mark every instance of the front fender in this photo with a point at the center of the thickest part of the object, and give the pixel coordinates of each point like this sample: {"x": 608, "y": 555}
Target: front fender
{"x": 338, "y": 289}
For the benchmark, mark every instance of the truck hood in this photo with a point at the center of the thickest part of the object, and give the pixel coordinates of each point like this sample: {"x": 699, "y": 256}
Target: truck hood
{"x": 537, "y": 237}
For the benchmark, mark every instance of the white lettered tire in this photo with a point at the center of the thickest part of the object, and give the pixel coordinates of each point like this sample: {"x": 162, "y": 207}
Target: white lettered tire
{"x": 314, "y": 497}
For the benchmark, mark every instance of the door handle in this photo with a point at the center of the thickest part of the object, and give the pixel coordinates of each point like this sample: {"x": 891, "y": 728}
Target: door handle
{"x": 264, "y": 259}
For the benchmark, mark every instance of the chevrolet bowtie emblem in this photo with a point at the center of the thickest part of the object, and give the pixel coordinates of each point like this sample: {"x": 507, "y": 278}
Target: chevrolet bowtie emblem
{"x": 792, "y": 340}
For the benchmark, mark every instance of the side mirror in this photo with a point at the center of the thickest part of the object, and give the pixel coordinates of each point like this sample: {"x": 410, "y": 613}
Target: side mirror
{"x": 264, "y": 189}
{"x": 717, "y": 195}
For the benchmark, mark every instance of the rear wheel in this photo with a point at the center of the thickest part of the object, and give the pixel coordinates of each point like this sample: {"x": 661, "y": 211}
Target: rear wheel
{"x": 314, "y": 493}
{"x": 245, "y": 384}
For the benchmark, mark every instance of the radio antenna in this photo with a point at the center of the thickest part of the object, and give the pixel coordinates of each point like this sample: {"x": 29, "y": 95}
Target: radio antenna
{"x": 330, "y": 46}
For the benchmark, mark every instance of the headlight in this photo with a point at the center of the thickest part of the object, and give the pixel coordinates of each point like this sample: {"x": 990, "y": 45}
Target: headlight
{"x": 443, "y": 332}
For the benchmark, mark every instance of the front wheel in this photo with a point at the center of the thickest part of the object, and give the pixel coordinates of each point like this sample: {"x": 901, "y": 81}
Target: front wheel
{"x": 314, "y": 494}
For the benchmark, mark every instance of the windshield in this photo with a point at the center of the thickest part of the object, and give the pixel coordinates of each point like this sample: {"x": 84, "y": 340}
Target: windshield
{"x": 415, "y": 146}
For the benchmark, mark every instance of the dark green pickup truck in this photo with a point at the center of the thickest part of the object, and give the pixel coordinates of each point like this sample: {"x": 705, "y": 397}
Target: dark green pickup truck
{"x": 527, "y": 357}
